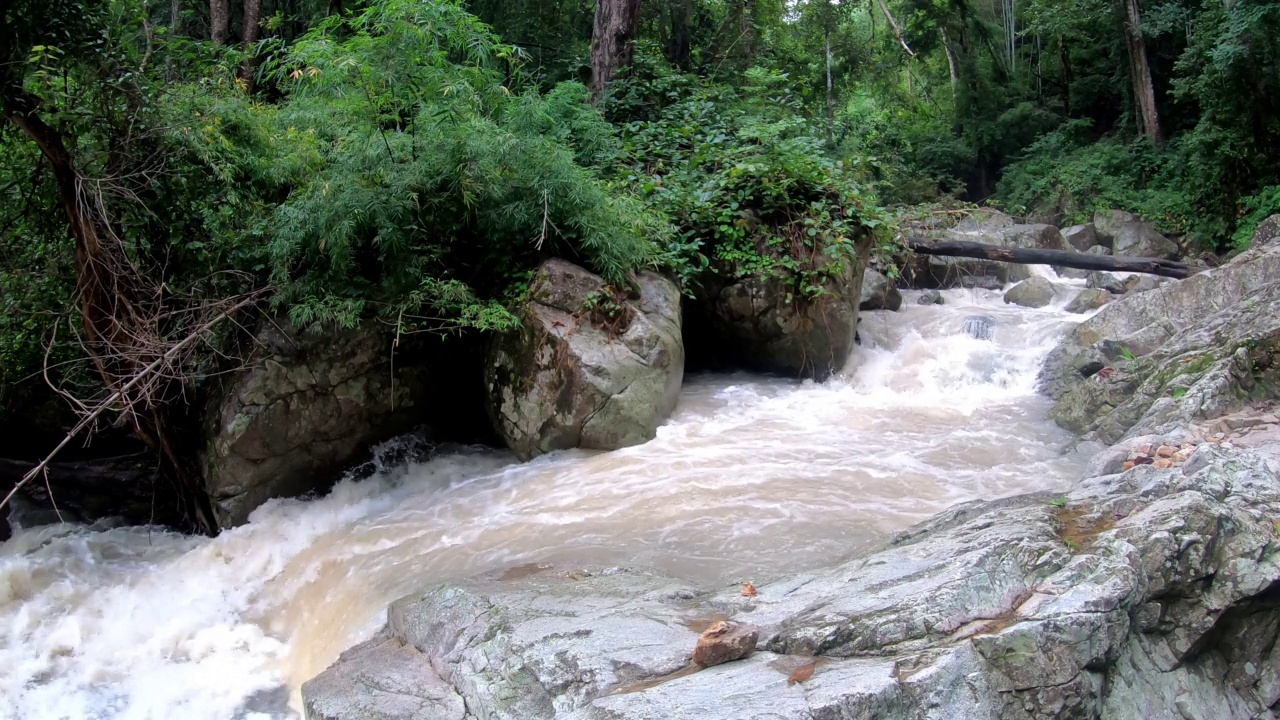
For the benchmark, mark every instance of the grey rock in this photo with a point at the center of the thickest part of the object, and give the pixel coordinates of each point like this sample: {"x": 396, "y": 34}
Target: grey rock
{"x": 1157, "y": 314}
{"x": 758, "y": 324}
{"x": 586, "y": 368}
{"x": 1267, "y": 232}
{"x": 1034, "y": 292}
{"x": 878, "y": 292}
{"x": 930, "y": 297}
{"x": 1106, "y": 281}
{"x": 1139, "y": 239}
{"x": 1088, "y": 299}
{"x": 309, "y": 402}
{"x": 1071, "y": 273}
{"x": 1142, "y": 283}
{"x": 1143, "y": 594}
{"x": 382, "y": 679}
{"x": 984, "y": 220}
{"x": 1081, "y": 237}
{"x": 1107, "y": 223}
{"x": 979, "y": 327}
{"x": 1045, "y": 237}
{"x": 1099, "y": 250}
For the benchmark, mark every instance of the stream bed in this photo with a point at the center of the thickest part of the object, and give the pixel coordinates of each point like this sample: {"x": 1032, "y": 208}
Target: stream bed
{"x": 752, "y": 478}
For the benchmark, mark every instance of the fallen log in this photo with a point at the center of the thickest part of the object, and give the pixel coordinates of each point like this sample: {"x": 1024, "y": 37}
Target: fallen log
{"x": 1061, "y": 258}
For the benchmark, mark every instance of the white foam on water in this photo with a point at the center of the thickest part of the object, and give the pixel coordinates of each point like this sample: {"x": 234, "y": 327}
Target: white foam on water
{"x": 751, "y": 479}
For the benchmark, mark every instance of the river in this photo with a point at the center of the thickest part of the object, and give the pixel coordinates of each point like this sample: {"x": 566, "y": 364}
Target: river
{"x": 751, "y": 478}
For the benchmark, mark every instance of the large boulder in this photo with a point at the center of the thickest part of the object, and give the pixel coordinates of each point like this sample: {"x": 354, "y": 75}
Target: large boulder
{"x": 1034, "y": 292}
{"x": 1088, "y": 299}
{"x": 588, "y": 367}
{"x": 1081, "y": 237}
{"x": 1148, "y": 593}
{"x": 878, "y": 292}
{"x": 310, "y": 402}
{"x": 761, "y": 323}
{"x": 1176, "y": 353}
{"x": 1126, "y": 234}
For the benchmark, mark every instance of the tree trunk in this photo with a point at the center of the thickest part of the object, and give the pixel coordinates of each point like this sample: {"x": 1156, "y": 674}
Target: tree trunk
{"x": 219, "y": 21}
{"x": 1144, "y": 93}
{"x": 678, "y": 45}
{"x": 177, "y": 24}
{"x": 831, "y": 103}
{"x": 1064, "y": 57}
{"x": 611, "y": 41}
{"x": 1061, "y": 258}
{"x": 251, "y": 32}
{"x": 951, "y": 60}
{"x": 748, "y": 29}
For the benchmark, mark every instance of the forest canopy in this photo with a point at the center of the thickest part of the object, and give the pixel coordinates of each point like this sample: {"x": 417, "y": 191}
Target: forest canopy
{"x": 412, "y": 161}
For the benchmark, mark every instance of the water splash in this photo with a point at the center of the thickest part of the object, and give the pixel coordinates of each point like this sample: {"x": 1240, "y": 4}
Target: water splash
{"x": 752, "y": 478}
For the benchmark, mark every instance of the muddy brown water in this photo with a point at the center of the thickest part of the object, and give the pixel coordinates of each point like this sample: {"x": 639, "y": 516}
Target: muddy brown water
{"x": 751, "y": 479}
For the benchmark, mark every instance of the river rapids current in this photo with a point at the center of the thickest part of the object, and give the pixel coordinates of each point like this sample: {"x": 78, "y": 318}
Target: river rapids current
{"x": 752, "y": 478}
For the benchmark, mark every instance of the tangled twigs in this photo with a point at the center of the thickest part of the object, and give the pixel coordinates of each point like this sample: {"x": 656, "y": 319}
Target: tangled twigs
{"x": 159, "y": 367}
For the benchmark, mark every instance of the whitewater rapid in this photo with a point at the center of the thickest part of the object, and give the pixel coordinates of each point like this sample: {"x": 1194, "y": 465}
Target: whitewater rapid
{"x": 751, "y": 478}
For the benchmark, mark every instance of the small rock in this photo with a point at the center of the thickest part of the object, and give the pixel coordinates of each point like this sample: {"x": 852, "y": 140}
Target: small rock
{"x": 1182, "y": 455}
{"x": 1099, "y": 250}
{"x": 1146, "y": 449}
{"x": 722, "y": 643}
{"x": 1162, "y": 463}
{"x": 1088, "y": 299}
{"x": 878, "y": 292}
{"x": 1166, "y": 451}
{"x": 1141, "y": 283}
{"x": 1071, "y": 273}
{"x": 749, "y": 590}
{"x": 1106, "y": 281}
{"x": 1034, "y": 292}
{"x": 1142, "y": 460}
{"x": 1129, "y": 465}
{"x": 929, "y": 297}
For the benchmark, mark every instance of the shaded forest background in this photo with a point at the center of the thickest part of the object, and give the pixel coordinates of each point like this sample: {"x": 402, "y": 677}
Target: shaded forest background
{"x": 165, "y": 165}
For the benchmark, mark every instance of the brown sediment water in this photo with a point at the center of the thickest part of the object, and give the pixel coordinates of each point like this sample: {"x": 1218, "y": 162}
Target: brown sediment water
{"x": 751, "y": 479}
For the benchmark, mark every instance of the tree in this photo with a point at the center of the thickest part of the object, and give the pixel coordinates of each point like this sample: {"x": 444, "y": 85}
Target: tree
{"x": 1144, "y": 93}
{"x": 219, "y": 21}
{"x": 678, "y": 43}
{"x": 250, "y": 34}
{"x": 612, "y": 41}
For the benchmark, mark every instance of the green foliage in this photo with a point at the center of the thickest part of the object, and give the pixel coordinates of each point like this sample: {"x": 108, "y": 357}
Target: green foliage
{"x": 745, "y": 179}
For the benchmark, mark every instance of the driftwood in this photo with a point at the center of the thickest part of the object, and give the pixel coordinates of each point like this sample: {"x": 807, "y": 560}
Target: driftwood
{"x": 1061, "y": 258}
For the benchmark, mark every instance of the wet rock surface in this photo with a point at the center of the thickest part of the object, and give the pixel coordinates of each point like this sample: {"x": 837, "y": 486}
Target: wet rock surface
{"x": 758, "y": 323}
{"x": 1147, "y": 593}
{"x": 1172, "y": 355}
{"x": 1088, "y": 299}
{"x": 1034, "y": 292}
{"x": 587, "y": 368}
{"x": 309, "y": 403}
{"x": 878, "y": 292}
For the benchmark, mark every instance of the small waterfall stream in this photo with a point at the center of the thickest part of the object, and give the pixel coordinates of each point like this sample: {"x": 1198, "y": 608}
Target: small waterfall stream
{"x": 751, "y": 479}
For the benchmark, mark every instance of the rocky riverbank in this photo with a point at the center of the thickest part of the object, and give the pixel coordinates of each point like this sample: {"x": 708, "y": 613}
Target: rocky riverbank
{"x": 1150, "y": 589}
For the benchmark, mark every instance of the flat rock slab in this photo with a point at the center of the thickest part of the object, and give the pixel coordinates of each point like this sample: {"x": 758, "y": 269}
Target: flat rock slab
{"x": 1146, "y": 593}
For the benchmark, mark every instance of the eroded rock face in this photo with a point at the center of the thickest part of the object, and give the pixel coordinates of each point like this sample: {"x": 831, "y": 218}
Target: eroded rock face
{"x": 586, "y": 369}
{"x": 310, "y": 402}
{"x": 758, "y": 323}
{"x": 1144, "y": 594}
{"x": 1176, "y": 353}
